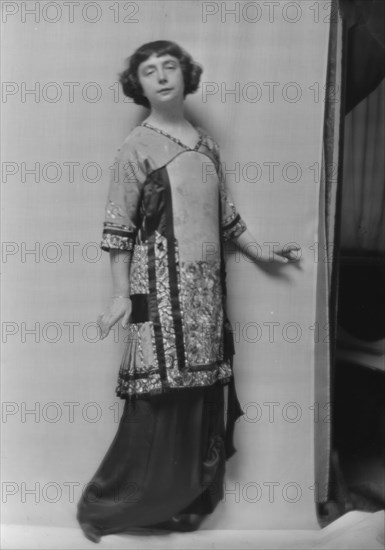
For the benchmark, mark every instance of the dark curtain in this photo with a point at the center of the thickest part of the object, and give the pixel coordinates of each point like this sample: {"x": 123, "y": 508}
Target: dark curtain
{"x": 363, "y": 197}
{"x": 365, "y": 61}
{"x": 358, "y": 271}
{"x": 354, "y": 168}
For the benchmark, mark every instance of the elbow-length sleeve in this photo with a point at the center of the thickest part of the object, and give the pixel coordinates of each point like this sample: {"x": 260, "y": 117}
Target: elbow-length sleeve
{"x": 232, "y": 224}
{"x": 122, "y": 211}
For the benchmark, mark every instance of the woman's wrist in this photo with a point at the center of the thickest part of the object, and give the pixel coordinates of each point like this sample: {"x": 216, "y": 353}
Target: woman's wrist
{"x": 121, "y": 289}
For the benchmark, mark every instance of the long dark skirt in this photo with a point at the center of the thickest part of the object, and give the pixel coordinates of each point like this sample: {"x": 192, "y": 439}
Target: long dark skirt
{"x": 168, "y": 457}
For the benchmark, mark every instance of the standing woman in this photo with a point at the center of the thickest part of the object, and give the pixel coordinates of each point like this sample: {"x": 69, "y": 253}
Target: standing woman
{"x": 167, "y": 216}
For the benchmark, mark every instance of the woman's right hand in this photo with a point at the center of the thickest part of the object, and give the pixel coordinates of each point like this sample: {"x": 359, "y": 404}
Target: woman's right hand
{"x": 117, "y": 308}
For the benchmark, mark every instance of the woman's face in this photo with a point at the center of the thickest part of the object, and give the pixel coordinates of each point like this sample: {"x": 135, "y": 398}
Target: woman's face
{"x": 161, "y": 79}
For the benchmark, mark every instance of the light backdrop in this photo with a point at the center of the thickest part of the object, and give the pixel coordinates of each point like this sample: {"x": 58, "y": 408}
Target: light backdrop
{"x": 262, "y": 99}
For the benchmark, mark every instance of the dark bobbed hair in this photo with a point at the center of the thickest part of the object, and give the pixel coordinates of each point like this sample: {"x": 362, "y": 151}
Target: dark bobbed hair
{"x": 129, "y": 78}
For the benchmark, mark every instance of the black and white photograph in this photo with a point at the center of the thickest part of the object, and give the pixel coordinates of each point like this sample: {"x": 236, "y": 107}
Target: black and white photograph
{"x": 193, "y": 267}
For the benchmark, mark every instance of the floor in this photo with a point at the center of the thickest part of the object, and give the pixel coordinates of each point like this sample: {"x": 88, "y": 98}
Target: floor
{"x": 354, "y": 530}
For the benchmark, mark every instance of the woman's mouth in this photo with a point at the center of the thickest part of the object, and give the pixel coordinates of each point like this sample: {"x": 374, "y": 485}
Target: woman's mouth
{"x": 164, "y": 90}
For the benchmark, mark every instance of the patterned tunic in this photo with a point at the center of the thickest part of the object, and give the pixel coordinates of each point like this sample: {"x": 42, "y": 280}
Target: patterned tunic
{"x": 168, "y": 205}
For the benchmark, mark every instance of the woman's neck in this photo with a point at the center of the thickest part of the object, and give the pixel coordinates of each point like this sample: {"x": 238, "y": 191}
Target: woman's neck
{"x": 168, "y": 118}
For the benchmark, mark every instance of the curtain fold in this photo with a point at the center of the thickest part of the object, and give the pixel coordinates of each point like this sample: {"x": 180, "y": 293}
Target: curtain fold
{"x": 363, "y": 196}
{"x": 329, "y": 218}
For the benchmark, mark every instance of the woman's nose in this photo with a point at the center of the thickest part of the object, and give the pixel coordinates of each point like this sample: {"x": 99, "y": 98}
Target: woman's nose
{"x": 162, "y": 77}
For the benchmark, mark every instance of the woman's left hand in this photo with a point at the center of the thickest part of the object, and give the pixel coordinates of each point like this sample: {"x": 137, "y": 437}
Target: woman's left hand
{"x": 290, "y": 253}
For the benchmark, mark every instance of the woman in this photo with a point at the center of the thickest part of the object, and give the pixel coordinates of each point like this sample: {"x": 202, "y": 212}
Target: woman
{"x": 166, "y": 218}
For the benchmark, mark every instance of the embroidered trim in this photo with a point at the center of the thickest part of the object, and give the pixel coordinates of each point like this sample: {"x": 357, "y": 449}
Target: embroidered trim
{"x": 117, "y": 236}
{"x": 234, "y": 230}
{"x": 139, "y": 283}
{"x": 118, "y": 227}
{"x": 164, "y": 301}
{"x": 149, "y": 384}
{"x": 119, "y": 242}
{"x": 174, "y": 139}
